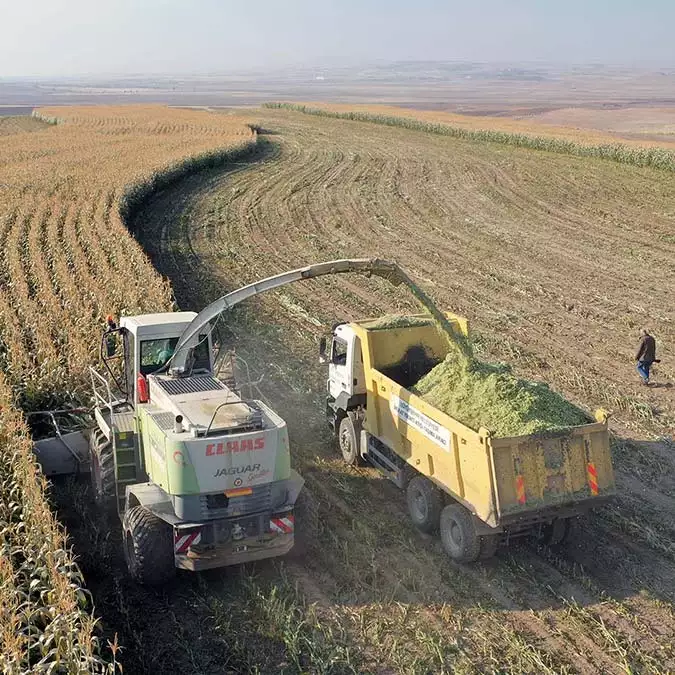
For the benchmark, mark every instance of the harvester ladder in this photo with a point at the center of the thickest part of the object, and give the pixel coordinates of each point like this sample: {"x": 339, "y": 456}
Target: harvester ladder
{"x": 118, "y": 424}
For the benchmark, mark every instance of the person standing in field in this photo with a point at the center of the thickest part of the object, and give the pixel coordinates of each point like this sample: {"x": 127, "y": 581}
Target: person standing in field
{"x": 645, "y": 355}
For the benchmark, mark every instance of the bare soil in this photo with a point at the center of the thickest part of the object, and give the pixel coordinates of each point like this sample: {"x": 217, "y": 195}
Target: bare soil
{"x": 643, "y": 123}
{"x": 557, "y": 261}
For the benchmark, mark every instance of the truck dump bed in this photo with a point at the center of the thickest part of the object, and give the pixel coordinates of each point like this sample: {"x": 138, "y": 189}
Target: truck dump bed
{"x": 504, "y": 481}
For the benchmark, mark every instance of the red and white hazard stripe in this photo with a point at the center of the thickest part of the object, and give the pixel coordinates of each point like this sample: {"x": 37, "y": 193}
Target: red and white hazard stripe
{"x": 284, "y": 525}
{"x": 592, "y": 478}
{"x": 182, "y": 540}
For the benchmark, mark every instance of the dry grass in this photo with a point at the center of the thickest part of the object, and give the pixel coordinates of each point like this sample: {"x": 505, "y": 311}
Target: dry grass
{"x": 560, "y": 141}
{"x": 67, "y": 260}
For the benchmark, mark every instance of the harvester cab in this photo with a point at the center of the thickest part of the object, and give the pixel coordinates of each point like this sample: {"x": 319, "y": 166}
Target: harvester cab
{"x": 145, "y": 345}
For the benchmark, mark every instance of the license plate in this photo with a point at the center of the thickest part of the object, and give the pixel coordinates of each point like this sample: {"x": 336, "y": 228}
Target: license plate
{"x": 241, "y": 548}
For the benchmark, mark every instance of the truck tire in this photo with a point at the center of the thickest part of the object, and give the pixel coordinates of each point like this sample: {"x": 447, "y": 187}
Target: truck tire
{"x": 348, "y": 440}
{"x": 306, "y": 523}
{"x": 559, "y": 531}
{"x": 574, "y": 526}
{"x": 458, "y": 535}
{"x": 554, "y": 532}
{"x": 148, "y": 547}
{"x": 102, "y": 472}
{"x": 425, "y": 503}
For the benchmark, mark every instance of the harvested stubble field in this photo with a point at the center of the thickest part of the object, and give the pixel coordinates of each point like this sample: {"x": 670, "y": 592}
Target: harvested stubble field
{"x": 67, "y": 260}
{"x": 557, "y": 260}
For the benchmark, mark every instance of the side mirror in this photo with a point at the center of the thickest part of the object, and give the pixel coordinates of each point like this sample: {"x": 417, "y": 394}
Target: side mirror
{"x": 111, "y": 345}
{"x": 322, "y": 350}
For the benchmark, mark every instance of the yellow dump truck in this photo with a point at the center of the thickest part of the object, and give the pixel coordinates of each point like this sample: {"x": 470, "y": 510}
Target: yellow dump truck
{"x": 477, "y": 489}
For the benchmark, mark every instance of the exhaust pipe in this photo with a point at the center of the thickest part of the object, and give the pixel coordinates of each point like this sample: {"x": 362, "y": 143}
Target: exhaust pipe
{"x": 178, "y": 424}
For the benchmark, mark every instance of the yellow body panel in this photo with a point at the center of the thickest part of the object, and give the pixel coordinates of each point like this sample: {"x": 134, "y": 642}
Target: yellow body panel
{"x": 498, "y": 479}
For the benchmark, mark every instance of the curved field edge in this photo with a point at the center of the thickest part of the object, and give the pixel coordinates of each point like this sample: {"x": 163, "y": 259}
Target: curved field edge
{"x": 659, "y": 158}
{"x": 47, "y": 618}
{"x": 137, "y": 195}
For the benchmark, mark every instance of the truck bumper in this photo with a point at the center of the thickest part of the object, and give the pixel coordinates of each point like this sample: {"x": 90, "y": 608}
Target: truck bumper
{"x": 234, "y": 552}
{"x": 524, "y": 520}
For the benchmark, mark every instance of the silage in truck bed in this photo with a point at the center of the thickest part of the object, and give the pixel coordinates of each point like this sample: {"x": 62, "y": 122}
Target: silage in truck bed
{"x": 490, "y": 395}
{"x": 392, "y": 321}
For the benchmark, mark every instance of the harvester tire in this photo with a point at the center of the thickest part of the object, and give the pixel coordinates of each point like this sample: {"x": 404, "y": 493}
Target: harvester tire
{"x": 348, "y": 440}
{"x": 148, "y": 547}
{"x": 102, "y": 472}
{"x": 425, "y": 503}
{"x": 306, "y": 525}
{"x": 458, "y": 534}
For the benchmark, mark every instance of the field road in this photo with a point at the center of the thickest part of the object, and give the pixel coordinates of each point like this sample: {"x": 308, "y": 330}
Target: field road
{"x": 557, "y": 261}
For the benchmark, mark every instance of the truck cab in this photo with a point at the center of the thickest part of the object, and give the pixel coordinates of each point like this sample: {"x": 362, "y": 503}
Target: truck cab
{"x": 346, "y": 377}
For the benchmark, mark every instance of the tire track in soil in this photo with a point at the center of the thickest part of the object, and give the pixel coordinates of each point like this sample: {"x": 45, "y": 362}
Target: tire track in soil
{"x": 309, "y": 197}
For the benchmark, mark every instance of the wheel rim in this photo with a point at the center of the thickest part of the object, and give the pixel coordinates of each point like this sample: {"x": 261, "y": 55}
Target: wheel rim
{"x": 346, "y": 442}
{"x": 419, "y": 505}
{"x": 455, "y": 532}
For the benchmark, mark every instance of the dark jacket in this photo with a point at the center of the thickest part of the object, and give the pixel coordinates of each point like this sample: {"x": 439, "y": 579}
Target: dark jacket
{"x": 646, "y": 349}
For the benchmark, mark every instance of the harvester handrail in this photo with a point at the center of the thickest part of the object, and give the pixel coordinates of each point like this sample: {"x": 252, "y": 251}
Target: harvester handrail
{"x": 99, "y": 399}
{"x": 218, "y": 407}
{"x": 386, "y": 269}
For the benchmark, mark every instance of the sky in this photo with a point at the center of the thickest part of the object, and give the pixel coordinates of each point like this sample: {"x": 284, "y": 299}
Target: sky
{"x": 78, "y": 37}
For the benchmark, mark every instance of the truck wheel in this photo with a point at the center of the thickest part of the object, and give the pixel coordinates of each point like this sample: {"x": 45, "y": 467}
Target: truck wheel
{"x": 553, "y": 533}
{"x": 458, "y": 535}
{"x": 148, "y": 547}
{"x": 425, "y": 502}
{"x": 573, "y": 526}
{"x": 102, "y": 471}
{"x": 559, "y": 531}
{"x": 306, "y": 523}
{"x": 349, "y": 442}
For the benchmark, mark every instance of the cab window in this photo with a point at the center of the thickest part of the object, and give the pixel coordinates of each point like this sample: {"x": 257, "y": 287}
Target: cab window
{"x": 156, "y": 353}
{"x": 339, "y": 352}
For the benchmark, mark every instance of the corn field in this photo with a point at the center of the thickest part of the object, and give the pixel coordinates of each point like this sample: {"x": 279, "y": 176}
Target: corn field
{"x": 636, "y": 155}
{"x": 66, "y": 261}
{"x": 46, "y": 622}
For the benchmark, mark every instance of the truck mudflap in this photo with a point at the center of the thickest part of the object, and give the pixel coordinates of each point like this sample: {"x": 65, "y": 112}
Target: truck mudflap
{"x": 191, "y": 553}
